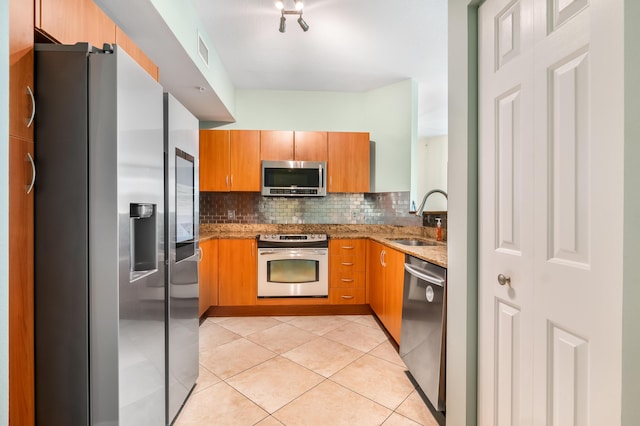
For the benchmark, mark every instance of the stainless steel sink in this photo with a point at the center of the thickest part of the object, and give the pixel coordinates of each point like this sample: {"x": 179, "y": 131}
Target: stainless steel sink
{"x": 415, "y": 242}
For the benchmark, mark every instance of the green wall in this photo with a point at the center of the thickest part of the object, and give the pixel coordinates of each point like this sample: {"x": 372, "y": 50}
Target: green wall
{"x": 4, "y": 202}
{"x": 631, "y": 266}
{"x": 388, "y": 114}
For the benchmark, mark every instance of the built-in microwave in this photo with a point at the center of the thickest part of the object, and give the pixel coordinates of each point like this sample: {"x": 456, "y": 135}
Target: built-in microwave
{"x": 294, "y": 178}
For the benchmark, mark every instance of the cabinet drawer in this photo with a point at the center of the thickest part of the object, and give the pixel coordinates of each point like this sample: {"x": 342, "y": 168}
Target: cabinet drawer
{"x": 347, "y": 247}
{"x": 344, "y": 280}
{"x": 347, "y": 264}
{"x": 347, "y": 296}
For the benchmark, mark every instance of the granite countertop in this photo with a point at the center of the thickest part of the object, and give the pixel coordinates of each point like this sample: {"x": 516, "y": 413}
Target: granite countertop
{"x": 380, "y": 233}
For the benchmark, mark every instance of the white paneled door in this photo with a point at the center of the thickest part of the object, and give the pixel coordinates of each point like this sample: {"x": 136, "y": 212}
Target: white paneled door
{"x": 550, "y": 168}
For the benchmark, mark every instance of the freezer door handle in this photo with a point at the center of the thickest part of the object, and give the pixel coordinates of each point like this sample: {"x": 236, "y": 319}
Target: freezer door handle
{"x": 424, "y": 275}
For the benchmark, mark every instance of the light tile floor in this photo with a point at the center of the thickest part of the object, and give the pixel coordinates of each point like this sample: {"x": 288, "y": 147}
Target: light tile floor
{"x": 307, "y": 370}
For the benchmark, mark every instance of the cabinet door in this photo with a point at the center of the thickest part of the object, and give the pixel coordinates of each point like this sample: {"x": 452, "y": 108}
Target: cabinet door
{"x": 214, "y": 160}
{"x": 245, "y": 160}
{"x": 348, "y": 162}
{"x": 208, "y": 275}
{"x": 375, "y": 279}
{"x": 276, "y": 145}
{"x": 21, "y": 264}
{"x": 394, "y": 286}
{"x": 310, "y": 146}
{"x": 21, "y": 68}
{"x": 237, "y": 273}
{"x": 71, "y": 21}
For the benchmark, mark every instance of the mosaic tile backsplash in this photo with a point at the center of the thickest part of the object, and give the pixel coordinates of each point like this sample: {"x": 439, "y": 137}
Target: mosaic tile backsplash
{"x": 389, "y": 208}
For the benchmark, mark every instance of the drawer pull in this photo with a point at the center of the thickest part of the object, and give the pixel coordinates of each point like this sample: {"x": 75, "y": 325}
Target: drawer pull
{"x": 348, "y": 247}
{"x": 347, "y": 280}
{"x": 347, "y": 297}
{"x": 347, "y": 263}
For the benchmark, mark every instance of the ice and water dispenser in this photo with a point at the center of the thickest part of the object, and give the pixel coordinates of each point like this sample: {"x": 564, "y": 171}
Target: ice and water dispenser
{"x": 143, "y": 219}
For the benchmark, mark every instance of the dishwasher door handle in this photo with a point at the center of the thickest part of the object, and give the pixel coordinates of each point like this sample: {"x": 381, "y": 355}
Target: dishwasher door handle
{"x": 424, "y": 275}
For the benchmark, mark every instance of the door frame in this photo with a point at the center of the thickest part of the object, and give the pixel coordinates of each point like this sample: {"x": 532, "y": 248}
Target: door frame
{"x": 462, "y": 272}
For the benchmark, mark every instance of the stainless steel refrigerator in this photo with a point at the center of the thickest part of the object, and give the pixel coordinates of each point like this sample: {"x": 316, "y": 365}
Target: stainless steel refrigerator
{"x": 182, "y": 208}
{"x": 99, "y": 247}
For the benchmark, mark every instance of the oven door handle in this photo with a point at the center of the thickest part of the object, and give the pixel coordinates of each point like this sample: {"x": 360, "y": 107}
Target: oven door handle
{"x": 294, "y": 251}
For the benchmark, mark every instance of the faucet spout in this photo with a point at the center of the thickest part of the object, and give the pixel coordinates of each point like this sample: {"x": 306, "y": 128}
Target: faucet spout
{"x": 424, "y": 200}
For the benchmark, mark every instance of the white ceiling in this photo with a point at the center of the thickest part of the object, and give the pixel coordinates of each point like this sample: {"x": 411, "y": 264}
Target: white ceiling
{"x": 352, "y": 45}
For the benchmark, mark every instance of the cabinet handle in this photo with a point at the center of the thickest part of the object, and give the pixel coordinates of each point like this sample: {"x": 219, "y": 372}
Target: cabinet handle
{"x": 226, "y": 181}
{"x": 200, "y": 253}
{"x": 382, "y": 254}
{"x": 347, "y": 297}
{"x": 252, "y": 249}
{"x": 347, "y": 247}
{"x": 347, "y": 263}
{"x": 33, "y": 173}
{"x": 346, "y": 280}
{"x": 33, "y": 107}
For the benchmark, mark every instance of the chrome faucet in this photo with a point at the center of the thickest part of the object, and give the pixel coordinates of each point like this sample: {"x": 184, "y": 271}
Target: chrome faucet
{"x": 424, "y": 200}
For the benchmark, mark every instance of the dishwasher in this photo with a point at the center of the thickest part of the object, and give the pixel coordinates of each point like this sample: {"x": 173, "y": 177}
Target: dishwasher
{"x": 424, "y": 327}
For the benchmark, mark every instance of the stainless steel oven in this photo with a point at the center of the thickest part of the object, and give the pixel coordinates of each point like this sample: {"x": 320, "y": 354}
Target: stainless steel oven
{"x": 293, "y": 265}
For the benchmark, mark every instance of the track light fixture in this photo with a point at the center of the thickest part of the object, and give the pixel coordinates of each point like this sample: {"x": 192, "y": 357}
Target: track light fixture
{"x": 298, "y": 11}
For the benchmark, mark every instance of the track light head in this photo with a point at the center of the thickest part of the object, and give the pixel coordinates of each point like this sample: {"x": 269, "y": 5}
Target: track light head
{"x": 298, "y": 11}
{"x": 303, "y": 24}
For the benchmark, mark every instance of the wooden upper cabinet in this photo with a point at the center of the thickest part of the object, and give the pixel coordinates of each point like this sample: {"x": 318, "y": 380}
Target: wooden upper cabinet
{"x": 21, "y": 106}
{"x": 276, "y": 145}
{"x": 310, "y": 146}
{"x": 71, "y": 21}
{"x": 288, "y": 145}
{"x": 230, "y": 160}
{"x": 348, "y": 162}
{"x": 136, "y": 53}
{"x": 214, "y": 160}
{"x": 245, "y": 169}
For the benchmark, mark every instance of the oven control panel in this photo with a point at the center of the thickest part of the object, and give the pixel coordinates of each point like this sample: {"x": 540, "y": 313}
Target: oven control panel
{"x": 293, "y": 240}
{"x": 293, "y": 237}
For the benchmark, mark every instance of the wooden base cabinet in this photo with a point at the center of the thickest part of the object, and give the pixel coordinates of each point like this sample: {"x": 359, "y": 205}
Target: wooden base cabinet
{"x": 347, "y": 266}
{"x": 385, "y": 286}
{"x": 237, "y": 272}
{"x": 208, "y": 275}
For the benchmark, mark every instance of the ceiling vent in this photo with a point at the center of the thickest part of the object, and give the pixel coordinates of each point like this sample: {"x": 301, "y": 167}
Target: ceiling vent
{"x": 203, "y": 50}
